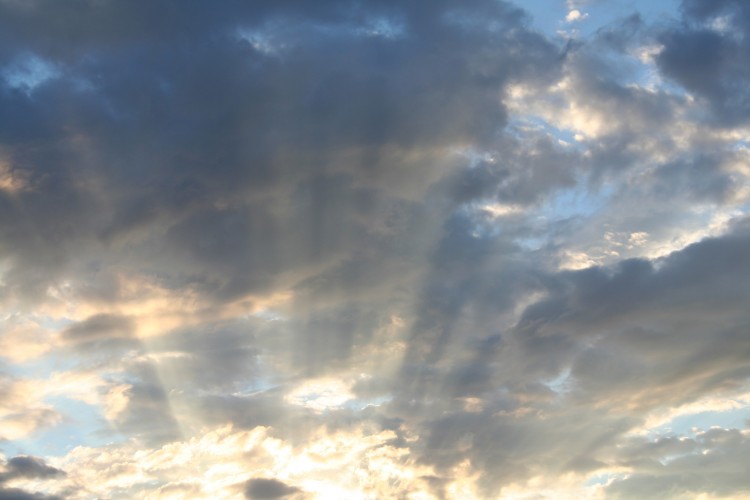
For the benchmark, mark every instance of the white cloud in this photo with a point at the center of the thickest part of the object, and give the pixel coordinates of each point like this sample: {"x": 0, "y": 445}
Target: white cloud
{"x": 359, "y": 463}
{"x": 575, "y": 15}
{"x": 321, "y": 394}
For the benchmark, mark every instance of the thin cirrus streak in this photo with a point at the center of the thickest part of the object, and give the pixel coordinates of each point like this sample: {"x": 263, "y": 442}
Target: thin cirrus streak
{"x": 394, "y": 249}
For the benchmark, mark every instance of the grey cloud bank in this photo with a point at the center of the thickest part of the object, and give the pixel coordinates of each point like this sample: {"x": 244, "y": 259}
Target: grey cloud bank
{"x": 383, "y": 249}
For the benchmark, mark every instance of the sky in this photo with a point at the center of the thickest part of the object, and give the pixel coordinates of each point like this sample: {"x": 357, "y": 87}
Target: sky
{"x": 351, "y": 249}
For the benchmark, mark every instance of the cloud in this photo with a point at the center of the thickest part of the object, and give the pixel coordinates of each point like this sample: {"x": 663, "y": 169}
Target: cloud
{"x": 703, "y": 464}
{"x": 340, "y": 249}
{"x": 22, "y": 411}
{"x": 712, "y": 38}
{"x": 575, "y": 15}
{"x": 99, "y": 327}
{"x": 358, "y": 461}
{"x": 26, "y": 467}
{"x": 24, "y": 339}
{"x": 18, "y": 494}
{"x": 267, "y": 488}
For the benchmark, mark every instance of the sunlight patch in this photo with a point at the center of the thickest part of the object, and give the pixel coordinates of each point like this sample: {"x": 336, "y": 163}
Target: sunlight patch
{"x": 321, "y": 394}
{"x": 575, "y": 15}
{"x": 496, "y": 210}
{"x": 12, "y": 181}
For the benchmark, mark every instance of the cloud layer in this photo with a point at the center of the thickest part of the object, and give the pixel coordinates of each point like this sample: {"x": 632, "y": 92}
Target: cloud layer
{"x": 389, "y": 249}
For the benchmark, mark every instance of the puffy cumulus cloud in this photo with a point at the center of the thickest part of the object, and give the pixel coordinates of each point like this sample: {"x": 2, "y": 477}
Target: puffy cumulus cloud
{"x": 345, "y": 249}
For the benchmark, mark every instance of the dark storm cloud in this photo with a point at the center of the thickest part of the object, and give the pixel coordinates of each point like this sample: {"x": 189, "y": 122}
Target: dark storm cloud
{"x": 711, "y": 61}
{"x": 268, "y": 488}
{"x": 168, "y": 124}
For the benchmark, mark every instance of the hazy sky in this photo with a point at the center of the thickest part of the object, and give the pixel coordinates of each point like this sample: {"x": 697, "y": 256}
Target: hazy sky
{"x": 339, "y": 249}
